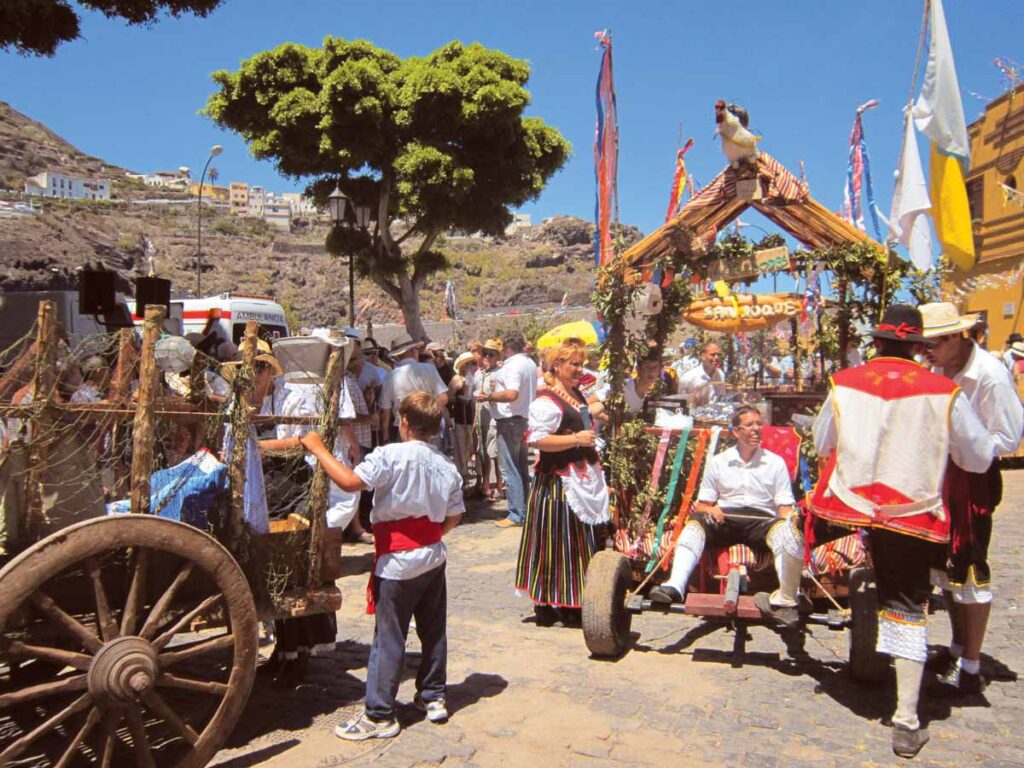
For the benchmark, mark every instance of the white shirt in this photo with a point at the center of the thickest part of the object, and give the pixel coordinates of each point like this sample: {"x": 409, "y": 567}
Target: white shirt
{"x": 86, "y": 394}
{"x": 970, "y": 446}
{"x": 634, "y": 402}
{"x": 410, "y": 376}
{"x": 991, "y": 392}
{"x": 520, "y": 374}
{"x": 484, "y": 383}
{"x": 371, "y": 375}
{"x": 308, "y": 399}
{"x": 685, "y": 364}
{"x": 411, "y": 479}
{"x": 700, "y": 386}
{"x": 762, "y": 483}
{"x": 254, "y": 503}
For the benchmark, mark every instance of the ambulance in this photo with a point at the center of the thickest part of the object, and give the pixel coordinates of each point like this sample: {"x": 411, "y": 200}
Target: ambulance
{"x": 227, "y": 314}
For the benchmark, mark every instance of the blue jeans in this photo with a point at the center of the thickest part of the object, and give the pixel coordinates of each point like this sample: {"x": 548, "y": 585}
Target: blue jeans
{"x": 515, "y": 464}
{"x": 424, "y": 597}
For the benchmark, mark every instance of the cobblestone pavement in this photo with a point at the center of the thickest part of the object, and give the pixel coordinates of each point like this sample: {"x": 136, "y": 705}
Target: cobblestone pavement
{"x": 532, "y": 695}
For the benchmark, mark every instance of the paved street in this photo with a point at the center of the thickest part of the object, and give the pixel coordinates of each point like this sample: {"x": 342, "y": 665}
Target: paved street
{"x": 528, "y": 695}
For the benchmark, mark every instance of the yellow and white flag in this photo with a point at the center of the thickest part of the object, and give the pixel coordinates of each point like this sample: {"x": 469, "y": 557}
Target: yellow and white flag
{"x": 939, "y": 115}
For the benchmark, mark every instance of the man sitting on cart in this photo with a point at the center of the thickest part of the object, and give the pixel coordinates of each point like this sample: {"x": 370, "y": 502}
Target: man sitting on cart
{"x": 745, "y": 498}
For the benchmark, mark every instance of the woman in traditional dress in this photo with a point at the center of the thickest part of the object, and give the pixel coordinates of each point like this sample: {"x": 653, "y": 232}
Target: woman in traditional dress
{"x": 568, "y": 498}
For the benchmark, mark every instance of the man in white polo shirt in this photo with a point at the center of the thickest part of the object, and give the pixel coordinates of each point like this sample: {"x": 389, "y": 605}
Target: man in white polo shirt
{"x": 703, "y": 382}
{"x": 409, "y": 376}
{"x": 745, "y": 498}
{"x": 516, "y": 388}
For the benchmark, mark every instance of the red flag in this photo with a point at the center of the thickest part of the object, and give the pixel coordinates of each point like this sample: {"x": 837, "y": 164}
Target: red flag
{"x": 678, "y": 182}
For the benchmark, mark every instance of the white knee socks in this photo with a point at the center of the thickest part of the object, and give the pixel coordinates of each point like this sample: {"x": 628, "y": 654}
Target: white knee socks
{"x": 688, "y": 551}
{"x": 908, "y": 689}
{"x": 785, "y": 544}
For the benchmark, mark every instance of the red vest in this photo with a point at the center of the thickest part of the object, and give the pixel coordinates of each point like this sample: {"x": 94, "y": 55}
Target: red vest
{"x": 892, "y": 416}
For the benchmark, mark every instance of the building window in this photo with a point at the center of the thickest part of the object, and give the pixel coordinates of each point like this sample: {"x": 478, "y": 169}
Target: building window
{"x": 1010, "y": 182}
{"x": 975, "y": 198}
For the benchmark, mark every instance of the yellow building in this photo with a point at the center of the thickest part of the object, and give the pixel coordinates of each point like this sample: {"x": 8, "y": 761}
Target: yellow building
{"x": 210, "y": 192}
{"x": 997, "y": 165}
{"x": 239, "y": 196}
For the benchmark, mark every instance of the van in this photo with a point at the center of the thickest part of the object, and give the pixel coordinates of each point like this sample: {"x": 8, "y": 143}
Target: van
{"x": 227, "y": 313}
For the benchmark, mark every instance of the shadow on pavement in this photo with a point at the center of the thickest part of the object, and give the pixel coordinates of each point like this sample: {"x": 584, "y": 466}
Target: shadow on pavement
{"x": 260, "y": 755}
{"x": 460, "y": 696}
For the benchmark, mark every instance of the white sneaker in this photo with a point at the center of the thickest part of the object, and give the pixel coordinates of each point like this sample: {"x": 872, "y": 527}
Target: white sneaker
{"x": 362, "y": 728}
{"x": 436, "y": 710}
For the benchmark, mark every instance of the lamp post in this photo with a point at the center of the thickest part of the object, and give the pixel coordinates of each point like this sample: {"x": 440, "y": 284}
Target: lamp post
{"x": 215, "y": 150}
{"x": 337, "y": 205}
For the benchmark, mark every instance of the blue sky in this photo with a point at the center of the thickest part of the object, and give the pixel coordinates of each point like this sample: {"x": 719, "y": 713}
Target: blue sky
{"x": 130, "y": 95}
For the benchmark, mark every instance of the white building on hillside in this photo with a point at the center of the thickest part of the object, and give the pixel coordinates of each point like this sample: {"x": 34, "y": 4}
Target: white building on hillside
{"x": 520, "y": 222}
{"x": 56, "y": 184}
{"x": 277, "y": 212}
{"x": 302, "y": 206}
{"x": 257, "y": 197}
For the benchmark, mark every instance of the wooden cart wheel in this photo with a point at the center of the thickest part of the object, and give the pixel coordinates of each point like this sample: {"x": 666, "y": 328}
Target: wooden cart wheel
{"x": 606, "y": 622}
{"x": 109, "y": 608}
{"x": 866, "y": 664}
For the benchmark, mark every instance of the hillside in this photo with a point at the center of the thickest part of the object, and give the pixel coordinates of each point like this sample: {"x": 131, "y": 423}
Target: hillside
{"x": 44, "y": 250}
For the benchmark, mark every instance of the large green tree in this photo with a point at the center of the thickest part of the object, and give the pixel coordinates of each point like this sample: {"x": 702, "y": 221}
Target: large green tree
{"x": 431, "y": 144}
{"x": 38, "y": 27}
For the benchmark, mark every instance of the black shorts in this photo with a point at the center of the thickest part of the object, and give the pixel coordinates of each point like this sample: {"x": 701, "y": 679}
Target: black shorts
{"x": 750, "y": 527}
{"x": 902, "y": 569}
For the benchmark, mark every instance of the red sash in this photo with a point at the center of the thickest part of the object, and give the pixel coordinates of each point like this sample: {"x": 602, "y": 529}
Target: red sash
{"x": 399, "y": 536}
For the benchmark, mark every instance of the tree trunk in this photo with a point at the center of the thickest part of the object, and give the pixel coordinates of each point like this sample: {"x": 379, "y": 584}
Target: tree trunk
{"x": 411, "y": 309}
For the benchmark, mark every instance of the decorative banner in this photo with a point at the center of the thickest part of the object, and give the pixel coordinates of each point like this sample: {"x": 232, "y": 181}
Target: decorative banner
{"x": 450, "y": 308}
{"x": 606, "y": 152}
{"x": 743, "y": 313}
{"x": 675, "y": 199}
{"x": 758, "y": 263}
{"x": 858, "y": 175}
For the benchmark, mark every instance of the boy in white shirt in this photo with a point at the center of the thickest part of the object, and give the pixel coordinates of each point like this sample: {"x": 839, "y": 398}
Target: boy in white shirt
{"x": 417, "y": 499}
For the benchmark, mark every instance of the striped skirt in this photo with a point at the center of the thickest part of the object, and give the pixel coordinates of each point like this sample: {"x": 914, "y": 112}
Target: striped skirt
{"x": 555, "y": 549}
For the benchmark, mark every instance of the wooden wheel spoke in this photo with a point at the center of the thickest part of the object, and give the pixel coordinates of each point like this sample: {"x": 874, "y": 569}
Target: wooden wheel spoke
{"x": 91, "y": 721}
{"x": 136, "y": 592}
{"x": 160, "y": 607}
{"x": 18, "y": 650}
{"x": 110, "y": 722}
{"x": 52, "y": 688}
{"x": 194, "y": 650}
{"x": 46, "y": 606}
{"x": 186, "y": 619}
{"x": 161, "y": 709}
{"x": 140, "y": 744}
{"x": 189, "y": 684}
{"x": 19, "y": 746}
{"x": 104, "y": 616}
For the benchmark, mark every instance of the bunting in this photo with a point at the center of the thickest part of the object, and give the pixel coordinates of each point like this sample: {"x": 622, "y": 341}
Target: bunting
{"x": 858, "y": 177}
{"x": 606, "y": 152}
{"x": 679, "y": 180}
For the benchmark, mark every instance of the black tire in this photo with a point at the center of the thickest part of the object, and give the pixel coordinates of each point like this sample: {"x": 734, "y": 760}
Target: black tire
{"x": 606, "y": 622}
{"x": 866, "y": 664}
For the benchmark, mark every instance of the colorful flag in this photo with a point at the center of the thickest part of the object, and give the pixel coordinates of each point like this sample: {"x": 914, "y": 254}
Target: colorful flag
{"x": 858, "y": 177}
{"x": 939, "y": 115}
{"x": 450, "y": 309}
{"x": 565, "y": 301}
{"x": 606, "y": 152}
{"x": 908, "y": 223}
{"x": 675, "y": 199}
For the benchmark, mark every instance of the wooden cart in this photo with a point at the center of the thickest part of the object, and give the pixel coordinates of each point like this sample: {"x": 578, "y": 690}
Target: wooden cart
{"x": 132, "y": 639}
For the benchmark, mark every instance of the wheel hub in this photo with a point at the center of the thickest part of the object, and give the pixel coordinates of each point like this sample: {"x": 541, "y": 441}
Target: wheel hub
{"x": 123, "y": 670}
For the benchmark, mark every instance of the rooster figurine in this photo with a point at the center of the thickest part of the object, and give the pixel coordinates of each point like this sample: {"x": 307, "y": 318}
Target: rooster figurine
{"x": 738, "y": 143}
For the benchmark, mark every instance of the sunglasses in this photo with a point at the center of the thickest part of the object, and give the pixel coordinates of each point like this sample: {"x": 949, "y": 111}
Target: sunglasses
{"x": 490, "y": 353}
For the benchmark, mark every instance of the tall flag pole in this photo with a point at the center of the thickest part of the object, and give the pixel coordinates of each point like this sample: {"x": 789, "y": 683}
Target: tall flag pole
{"x": 606, "y": 152}
{"x": 939, "y": 115}
{"x": 679, "y": 180}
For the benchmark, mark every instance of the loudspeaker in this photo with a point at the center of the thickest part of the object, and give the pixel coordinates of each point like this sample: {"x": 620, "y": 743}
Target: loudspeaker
{"x": 153, "y": 292}
{"x": 96, "y": 293}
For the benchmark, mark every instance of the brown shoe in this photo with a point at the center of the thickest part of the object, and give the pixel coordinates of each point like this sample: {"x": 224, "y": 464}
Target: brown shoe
{"x": 906, "y": 742}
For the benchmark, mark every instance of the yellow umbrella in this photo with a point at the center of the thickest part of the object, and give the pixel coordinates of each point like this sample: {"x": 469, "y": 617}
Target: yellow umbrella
{"x": 585, "y": 330}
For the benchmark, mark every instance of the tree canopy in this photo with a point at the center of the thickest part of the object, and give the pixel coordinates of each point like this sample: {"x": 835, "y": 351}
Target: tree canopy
{"x": 39, "y": 27}
{"x": 431, "y": 144}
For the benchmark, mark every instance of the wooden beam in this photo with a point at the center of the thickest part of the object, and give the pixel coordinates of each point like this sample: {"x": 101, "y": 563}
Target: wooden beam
{"x": 43, "y": 391}
{"x": 240, "y": 420}
{"x": 143, "y": 437}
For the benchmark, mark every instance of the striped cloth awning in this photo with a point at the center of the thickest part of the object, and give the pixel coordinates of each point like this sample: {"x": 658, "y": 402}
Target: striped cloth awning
{"x": 782, "y": 186}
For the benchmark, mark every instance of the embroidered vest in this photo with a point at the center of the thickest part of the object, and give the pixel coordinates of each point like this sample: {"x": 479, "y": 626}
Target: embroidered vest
{"x": 888, "y": 467}
{"x": 572, "y": 422}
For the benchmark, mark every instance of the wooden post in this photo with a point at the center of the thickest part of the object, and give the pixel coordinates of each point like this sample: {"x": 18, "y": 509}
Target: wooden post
{"x": 319, "y": 485}
{"x": 143, "y": 437}
{"x": 240, "y": 416}
{"x": 120, "y": 383}
{"x": 844, "y": 321}
{"x": 795, "y": 340}
{"x": 43, "y": 389}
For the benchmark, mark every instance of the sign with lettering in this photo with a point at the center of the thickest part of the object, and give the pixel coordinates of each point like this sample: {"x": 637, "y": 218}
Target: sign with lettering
{"x": 758, "y": 263}
{"x": 744, "y": 312}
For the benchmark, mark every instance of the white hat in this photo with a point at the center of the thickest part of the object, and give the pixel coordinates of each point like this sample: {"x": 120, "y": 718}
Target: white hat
{"x": 942, "y": 319}
{"x": 1017, "y": 349}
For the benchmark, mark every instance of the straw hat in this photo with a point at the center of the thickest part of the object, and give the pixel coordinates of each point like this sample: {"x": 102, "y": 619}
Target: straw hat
{"x": 263, "y": 355}
{"x": 943, "y": 319}
{"x": 403, "y": 343}
{"x": 1017, "y": 349}
{"x": 465, "y": 359}
{"x": 494, "y": 345}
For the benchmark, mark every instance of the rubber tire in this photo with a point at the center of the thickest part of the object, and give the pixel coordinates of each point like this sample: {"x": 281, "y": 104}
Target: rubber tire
{"x": 606, "y": 622}
{"x": 866, "y": 664}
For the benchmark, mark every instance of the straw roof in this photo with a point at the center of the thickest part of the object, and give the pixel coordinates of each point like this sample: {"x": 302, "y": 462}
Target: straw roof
{"x": 784, "y": 199}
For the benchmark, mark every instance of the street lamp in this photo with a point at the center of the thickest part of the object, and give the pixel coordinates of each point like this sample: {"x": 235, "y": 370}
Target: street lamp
{"x": 337, "y": 204}
{"x": 215, "y": 150}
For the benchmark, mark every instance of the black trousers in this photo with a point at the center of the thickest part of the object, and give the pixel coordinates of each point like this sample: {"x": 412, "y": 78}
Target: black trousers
{"x": 424, "y": 597}
{"x": 733, "y": 530}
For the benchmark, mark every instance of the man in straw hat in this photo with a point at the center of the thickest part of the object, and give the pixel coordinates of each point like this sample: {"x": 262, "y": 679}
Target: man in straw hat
{"x": 461, "y": 389}
{"x": 409, "y": 376}
{"x": 971, "y": 497}
{"x": 888, "y": 430}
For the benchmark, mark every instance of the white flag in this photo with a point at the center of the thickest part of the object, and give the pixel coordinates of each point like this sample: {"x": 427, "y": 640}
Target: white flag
{"x": 910, "y": 203}
{"x": 939, "y": 112}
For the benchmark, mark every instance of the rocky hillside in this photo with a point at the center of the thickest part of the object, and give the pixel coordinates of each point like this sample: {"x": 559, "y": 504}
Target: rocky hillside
{"x": 45, "y": 249}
